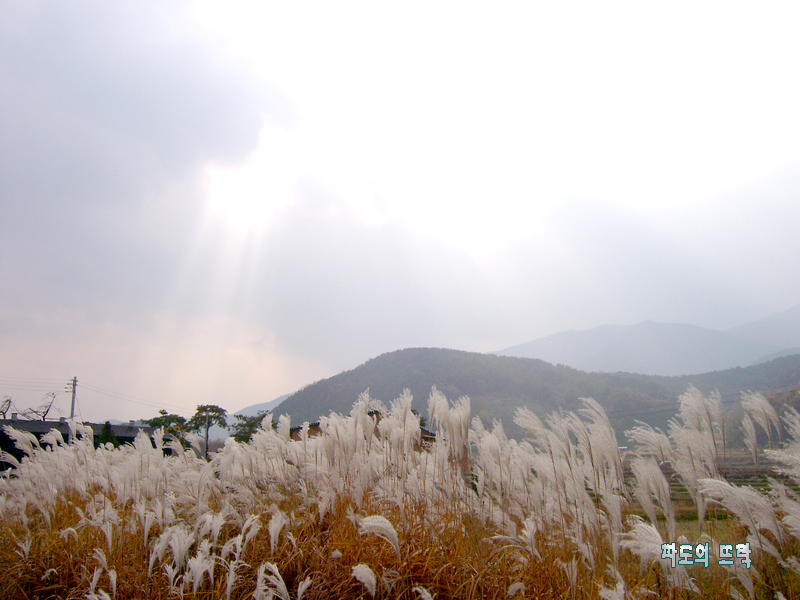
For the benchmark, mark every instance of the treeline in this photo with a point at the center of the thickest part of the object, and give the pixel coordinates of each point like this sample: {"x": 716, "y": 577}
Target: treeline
{"x": 207, "y": 415}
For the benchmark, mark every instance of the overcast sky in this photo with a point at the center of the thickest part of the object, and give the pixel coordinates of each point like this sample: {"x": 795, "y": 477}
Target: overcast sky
{"x": 206, "y": 202}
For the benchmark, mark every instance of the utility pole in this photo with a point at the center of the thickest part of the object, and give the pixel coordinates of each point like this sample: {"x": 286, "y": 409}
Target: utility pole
{"x": 74, "y": 387}
{"x": 206, "y": 436}
{"x": 72, "y": 409}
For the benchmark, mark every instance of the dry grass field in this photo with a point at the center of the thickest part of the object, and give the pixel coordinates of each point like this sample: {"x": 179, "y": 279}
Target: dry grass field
{"x": 363, "y": 511}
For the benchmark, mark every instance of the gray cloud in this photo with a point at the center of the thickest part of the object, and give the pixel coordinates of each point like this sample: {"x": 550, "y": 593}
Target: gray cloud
{"x": 109, "y": 110}
{"x": 334, "y": 288}
{"x": 338, "y": 290}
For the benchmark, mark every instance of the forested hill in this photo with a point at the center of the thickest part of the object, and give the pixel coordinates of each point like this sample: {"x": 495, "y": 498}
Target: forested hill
{"x": 773, "y": 376}
{"x": 497, "y": 385}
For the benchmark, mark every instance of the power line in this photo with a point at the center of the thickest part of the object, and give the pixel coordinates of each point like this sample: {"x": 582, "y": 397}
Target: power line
{"x": 33, "y": 384}
{"x": 668, "y": 407}
{"x": 19, "y": 388}
{"x": 46, "y": 385}
{"x": 30, "y": 379}
{"x": 133, "y": 399}
{"x": 101, "y": 389}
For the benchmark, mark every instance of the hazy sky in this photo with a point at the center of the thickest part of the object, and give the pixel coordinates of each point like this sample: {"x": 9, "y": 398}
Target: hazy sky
{"x": 206, "y": 202}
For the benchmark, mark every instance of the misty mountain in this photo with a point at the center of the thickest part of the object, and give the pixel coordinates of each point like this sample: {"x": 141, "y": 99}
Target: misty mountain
{"x": 774, "y": 355}
{"x": 498, "y": 385}
{"x": 781, "y": 329}
{"x": 220, "y": 433}
{"x": 649, "y": 348}
{"x": 254, "y": 409}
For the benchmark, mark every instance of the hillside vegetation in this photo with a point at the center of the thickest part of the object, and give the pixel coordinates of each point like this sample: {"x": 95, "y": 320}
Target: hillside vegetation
{"x": 498, "y": 385}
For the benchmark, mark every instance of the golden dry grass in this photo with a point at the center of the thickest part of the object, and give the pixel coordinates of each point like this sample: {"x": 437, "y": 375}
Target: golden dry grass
{"x": 540, "y": 515}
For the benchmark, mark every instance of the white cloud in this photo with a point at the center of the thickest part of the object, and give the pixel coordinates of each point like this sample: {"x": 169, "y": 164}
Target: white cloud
{"x": 182, "y": 181}
{"x": 471, "y": 124}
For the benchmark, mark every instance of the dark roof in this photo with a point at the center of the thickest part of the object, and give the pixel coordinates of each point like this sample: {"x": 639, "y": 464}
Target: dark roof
{"x": 42, "y": 427}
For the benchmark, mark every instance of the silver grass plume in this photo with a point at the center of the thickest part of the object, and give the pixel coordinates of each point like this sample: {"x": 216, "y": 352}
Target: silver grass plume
{"x": 691, "y": 408}
{"x": 423, "y": 593}
{"x": 787, "y": 502}
{"x": 762, "y": 412}
{"x": 789, "y": 455}
{"x": 23, "y": 440}
{"x": 605, "y": 440}
{"x": 695, "y": 456}
{"x": 753, "y": 508}
{"x": 618, "y": 592}
{"x": 284, "y": 429}
{"x": 380, "y": 526}
{"x": 714, "y": 403}
{"x": 276, "y": 524}
{"x": 651, "y": 483}
{"x": 644, "y": 541}
{"x": 276, "y": 583}
{"x": 697, "y": 433}
{"x": 366, "y": 576}
{"x": 749, "y": 431}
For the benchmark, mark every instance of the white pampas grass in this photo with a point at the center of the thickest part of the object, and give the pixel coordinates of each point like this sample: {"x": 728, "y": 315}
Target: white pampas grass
{"x": 749, "y": 431}
{"x": 650, "y": 484}
{"x": 250, "y": 528}
{"x": 652, "y": 440}
{"x": 789, "y": 455}
{"x": 180, "y": 540}
{"x": 10, "y": 459}
{"x": 615, "y": 593}
{"x": 196, "y": 569}
{"x": 195, "y": 443}
{"x": 526, "y": 539}
{"x": 618, "y": 592}
{"x": 276, "y": 524}
{"x": 24, "y": 547}
{"x": 380, "y": 526}
{"x": 753, "y": 508}
{"x": 366, "y": 576}
{"x": 423, "y": 593}
{"x": 762, "y": 412}
{"x": 23, "y": 440}
{"x": 562, "y": 488}
{"x": 644, "y": 541}
{"x": 303, "y": 586}
{"x": 276, "y": 587}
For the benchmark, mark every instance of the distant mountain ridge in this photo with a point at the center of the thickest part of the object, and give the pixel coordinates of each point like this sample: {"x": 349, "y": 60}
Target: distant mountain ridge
{"x": 634, "y": 371}
{"x": 498, "y": 385}
{"x": 781, "y": 329}
{"x": 667, "y": 349}
{"x": 220, "y": 433}
{"x": 648, "y": 348}
{"x": 254, "y": 409}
